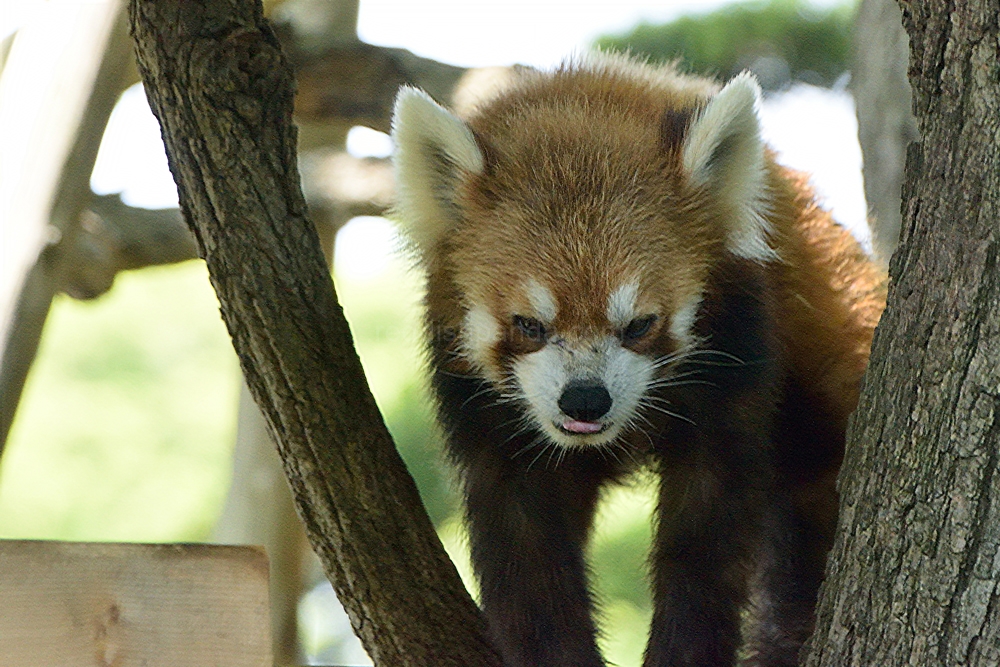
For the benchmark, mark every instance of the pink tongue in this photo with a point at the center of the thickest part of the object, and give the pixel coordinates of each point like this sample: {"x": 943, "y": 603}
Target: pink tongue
{"x": 574, "y": 426}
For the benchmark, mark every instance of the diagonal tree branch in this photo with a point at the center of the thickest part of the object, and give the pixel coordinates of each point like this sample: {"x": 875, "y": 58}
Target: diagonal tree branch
{"x": 218, "y": 83}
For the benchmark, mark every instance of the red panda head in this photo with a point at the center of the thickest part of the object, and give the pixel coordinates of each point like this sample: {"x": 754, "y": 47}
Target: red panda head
{"x": 568, "y": 228}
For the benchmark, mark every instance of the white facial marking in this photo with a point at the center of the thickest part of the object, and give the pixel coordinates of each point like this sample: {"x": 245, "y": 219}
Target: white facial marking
{"x": 542, "y": 377}
{"x": 627, "y": 376}
{"x": 542, "y": 300}
{"x": 621, "y": 304}
{"x": 480, "y": 333}
{"x": 682, "y": 324}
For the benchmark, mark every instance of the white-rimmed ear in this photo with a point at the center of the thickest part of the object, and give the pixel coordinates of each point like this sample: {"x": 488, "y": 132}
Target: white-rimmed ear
{"x": 434, "y": 149}
{"x": 724, "y": 152}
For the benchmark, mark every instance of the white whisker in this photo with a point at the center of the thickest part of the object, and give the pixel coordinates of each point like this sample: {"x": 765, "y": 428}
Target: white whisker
{"x": 608, "y": 448}
{"x": 549, "y": 444}
{"x": 650, "y": 402}
{"x": 669, "y": 413}
{"x": 534, "y": 442}
{"x": 480, "y": 392}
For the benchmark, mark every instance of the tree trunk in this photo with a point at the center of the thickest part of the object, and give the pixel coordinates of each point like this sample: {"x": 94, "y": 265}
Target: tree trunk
{"x": 222, "y": 91}
{"x": 914, "y": 578}
{"x": 259, "y": 508}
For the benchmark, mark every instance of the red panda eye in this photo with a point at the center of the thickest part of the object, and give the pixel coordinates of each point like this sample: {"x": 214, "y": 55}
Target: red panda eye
{"x": 530, "y": 328}
{"x": 637, "y": 328}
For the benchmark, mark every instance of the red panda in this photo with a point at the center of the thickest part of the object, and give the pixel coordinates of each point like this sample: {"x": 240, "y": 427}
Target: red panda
{"x": 620, "y": 275}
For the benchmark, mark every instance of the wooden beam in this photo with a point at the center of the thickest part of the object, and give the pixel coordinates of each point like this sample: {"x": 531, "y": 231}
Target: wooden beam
{"x": 356, "y": 84}
{"x": 59, "y": 84}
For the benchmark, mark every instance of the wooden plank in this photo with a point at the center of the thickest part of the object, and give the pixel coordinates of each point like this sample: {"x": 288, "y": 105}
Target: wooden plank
{"x": 122, "y": 605}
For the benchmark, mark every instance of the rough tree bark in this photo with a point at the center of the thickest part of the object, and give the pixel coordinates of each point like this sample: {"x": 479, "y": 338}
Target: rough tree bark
{"x": 218, "y": 83}
{"x": 914, "y": 578}
{"x": 259, "y": 508}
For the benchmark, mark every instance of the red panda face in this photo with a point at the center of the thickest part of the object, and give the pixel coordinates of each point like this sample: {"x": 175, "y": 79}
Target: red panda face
{"x": 585, "y": 382}
{"x": 567, "y": 230}
{"x": 577, "y": 282}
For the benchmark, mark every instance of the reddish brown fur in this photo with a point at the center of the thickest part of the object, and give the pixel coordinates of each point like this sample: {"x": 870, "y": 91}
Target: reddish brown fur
{"x": 534, "y": 138}
{"x": 830, "y": 298}
{"x": 831, "y": 294}
{"x": 584, "y": 189}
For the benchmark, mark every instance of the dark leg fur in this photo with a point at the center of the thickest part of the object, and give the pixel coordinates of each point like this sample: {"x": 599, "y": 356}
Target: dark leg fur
{"x": 717, "y": 478}
{"x": 710, "y": 524}
{"x": 527, "y": 533}
{"x": 809, "y": 446}
{"x": 789, "y": 575}
{"x": 528, "y": 523}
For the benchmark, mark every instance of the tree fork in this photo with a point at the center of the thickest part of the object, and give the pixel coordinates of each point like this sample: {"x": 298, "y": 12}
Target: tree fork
{"x": 218, "y": 83}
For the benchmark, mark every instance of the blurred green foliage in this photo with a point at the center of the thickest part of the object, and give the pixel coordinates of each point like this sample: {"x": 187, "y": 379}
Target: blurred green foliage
{"x": 126, "y": 427}
{"x": 780, "y": 40}
{"x": 618, "y": 558}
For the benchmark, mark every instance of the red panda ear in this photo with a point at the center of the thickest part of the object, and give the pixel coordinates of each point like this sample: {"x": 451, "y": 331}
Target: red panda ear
{"x": 434, "y": 150}
{"x": 723, "y": 151}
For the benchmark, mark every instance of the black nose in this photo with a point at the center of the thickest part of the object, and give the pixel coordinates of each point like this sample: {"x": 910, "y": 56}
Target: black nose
{"x": 585, "y": 401}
